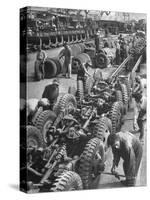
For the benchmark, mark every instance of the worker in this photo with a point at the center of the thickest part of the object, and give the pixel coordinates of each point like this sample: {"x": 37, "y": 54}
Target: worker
{"x": 128, "y": 147}
{"x": 140, "y": 102}
{"x": 97, "y": 76}
{"x": 51, "y": 92}
{"x": 68, "y": 60}
{"x": 120, "y": 38}
{"x": 83, "y": 71}
{"x": 40, "y": 58}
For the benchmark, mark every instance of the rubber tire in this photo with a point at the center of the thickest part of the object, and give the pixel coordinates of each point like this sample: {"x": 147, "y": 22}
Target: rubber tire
{"x": 86, "y": 160}
{"x": 37, "y": 73}
{"x": 34, "y": 133}
{"x": 101, "y": 127}
{"x": 128, "y": 86}
{"x": 119, "y": 98}
{"x": 42, "y": 118}
{"x": 98, "y": 62}
{"x": 60, "y": 106}
{"x": 72, "y": 90}
{"x": 80, "y": 90}
{"x": 65, "y": 182}
{"x": 114, "y": 112}
{"x": 50, "y": 68}
{"x": 58, "y": 64}
{"x": 125, "y": 97}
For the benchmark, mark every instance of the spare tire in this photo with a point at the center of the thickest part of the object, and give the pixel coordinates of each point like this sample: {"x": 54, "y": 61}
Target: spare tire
{"x": 50, "y": 68}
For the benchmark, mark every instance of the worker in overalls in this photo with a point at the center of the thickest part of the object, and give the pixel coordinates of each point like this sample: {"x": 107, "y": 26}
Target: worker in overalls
{"x": 40, "y": 59}
{"x": 128, "y": 147}
{"x": 51, "y": 92}
{"x": 83, "y": 71}
{"x": 67, "y": 69}
{"x": 140, "y": 103}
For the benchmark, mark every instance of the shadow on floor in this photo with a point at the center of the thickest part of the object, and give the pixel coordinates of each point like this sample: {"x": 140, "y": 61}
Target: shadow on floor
{"x": 14, "y": 187}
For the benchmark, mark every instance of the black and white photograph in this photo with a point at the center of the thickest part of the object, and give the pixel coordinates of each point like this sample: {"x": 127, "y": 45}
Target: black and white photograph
{"x": 83, "y": 99}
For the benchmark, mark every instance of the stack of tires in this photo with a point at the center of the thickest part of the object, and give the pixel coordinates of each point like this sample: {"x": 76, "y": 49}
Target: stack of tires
{"x": 80, "y": 59}
{"x": 105, "y": 57}
{"x": 54, "y": 66}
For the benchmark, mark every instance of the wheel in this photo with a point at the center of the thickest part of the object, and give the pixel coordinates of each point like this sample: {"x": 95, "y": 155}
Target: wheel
{"x": 124, "y": 96}
{"x": 67, "y": 104}
{"x": 67, "y": 181}
{"x": 119, "y": 98}
{"x": 72, "y": 90}
{"x": 43, "y": 122}
{"x": 127, "y": 82}
{"x": 34, "y": 137}
{"x": 128, "y": 86}
{"x": 115, "y": 116}
{"x": 90, "y": 160}
{"x": 80, "y": 90}
{"x": 88, "y": 85}
{"x": 38, "y": 74}
{"x": 103, "y": 129}
{"x": 50, "y": 68}
{"x": 101, "y": 60}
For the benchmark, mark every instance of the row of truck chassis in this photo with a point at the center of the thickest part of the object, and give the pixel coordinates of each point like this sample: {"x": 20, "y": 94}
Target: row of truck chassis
{"x": 66, "y": 144}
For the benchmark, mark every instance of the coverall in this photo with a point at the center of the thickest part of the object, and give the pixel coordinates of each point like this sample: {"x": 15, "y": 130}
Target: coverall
{"x": 130, "y": 150}
{"x": 67, "y": 62}
{"x": 140, "y": 103}
{"x": 140, "y": 114}
{"x": 51, "y": 92}
{"x": 41, "y": 57}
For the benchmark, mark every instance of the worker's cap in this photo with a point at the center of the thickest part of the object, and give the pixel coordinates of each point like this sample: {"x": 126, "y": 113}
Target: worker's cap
{"x": 56, "y": 82}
